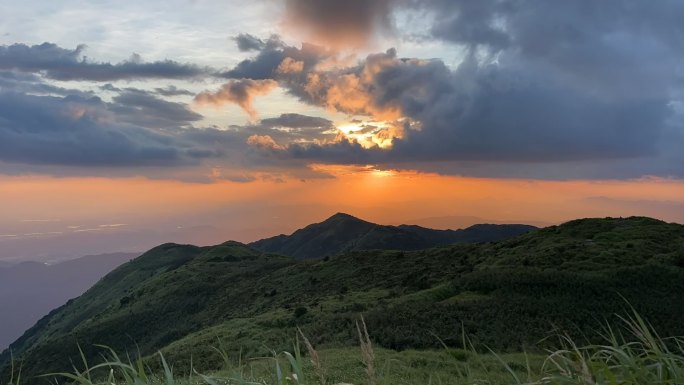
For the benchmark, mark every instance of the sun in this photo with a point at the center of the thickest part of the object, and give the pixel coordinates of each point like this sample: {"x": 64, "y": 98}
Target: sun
{"x": 349, "y": 128}
{"x": 370, "y": 133}
{"x": 382, "y": 173}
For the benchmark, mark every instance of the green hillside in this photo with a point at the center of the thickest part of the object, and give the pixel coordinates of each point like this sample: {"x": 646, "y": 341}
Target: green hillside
{"x": 506, "y": 295}
{"x": 343, "y": 233}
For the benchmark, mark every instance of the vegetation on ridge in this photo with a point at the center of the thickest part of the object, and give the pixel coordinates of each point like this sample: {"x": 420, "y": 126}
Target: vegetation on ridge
{"x": 180, "y": 299}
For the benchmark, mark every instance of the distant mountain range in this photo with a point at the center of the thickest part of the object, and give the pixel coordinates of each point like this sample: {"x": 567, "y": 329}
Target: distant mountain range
{"x": 463, "y": 221}
{"x": 343, "y": 233}
{"x": 182, "y": 299}
{"x": 29, "y": 290}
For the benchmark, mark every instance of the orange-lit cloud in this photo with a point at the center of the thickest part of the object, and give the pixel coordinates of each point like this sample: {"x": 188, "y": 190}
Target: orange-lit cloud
{"x": 290, "y": 66}
{"x": 263, "y": 142}
{"x": 352, "y": 91}
{"x": 241, "y": 92}
{"x": 372, "y": 134}
{"x": 342, "y": 85}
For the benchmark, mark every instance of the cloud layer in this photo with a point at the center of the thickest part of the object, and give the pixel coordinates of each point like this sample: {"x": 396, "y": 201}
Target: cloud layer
{"x": 87, "y": 132}
{"x": 70, "y": 64}
{"x": 581, "y": 89}
{"x": 538, "y": 84}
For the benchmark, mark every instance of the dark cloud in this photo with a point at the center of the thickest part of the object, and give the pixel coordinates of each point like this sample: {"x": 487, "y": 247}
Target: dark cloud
{"x": 293, "y": 128}
{"x": 538, "y": 26}
{"x": 337, "y": 152}
{"x": 614, "y": 44}
{"x": 493, "y": 112}
{"x": 299, "y": 121}
{"x": 490, "y": 113}
{"x": 30, "y": 83}
{"x": 588, "y": 89}
{"x": 266, "y": 63}
{"x": 59, "y": 63}
{"x": 142, "y": 108}
{"x": 168, "y": 91}
{"x": 469, "y": 22}
{"x": 110, "y": 88}
{"x": 77, "y": 132}
{"x": 52, "y": 128}
{"x": 45, "y": 128}
{"x": 247, "y": 42}
{"x": 546, "y": 89}
{"x": 172, "y": 90}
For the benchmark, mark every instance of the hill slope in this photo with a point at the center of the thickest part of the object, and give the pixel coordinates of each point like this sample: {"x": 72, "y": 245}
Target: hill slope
{"x": 30, "y": 290}
{"x": 344, "y": 233}
{"x": 506, "y": 294}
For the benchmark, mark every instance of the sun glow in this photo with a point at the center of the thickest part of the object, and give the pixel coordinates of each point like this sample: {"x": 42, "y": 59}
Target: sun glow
{"x": 382, "y": 173}
{"x": 347, "y": 170}
{"x": 371, "y": 133}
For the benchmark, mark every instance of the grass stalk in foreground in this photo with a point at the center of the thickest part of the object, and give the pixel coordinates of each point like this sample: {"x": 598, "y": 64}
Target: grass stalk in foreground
{"x": 633, "y": 355}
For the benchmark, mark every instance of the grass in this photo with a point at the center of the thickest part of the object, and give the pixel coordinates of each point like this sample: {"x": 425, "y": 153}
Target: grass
{"x": 632, "y": 354}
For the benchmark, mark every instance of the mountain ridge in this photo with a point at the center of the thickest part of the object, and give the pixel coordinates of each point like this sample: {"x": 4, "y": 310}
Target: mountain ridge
{"x": 342, "y": 233}
{"x": 180, "y": 298}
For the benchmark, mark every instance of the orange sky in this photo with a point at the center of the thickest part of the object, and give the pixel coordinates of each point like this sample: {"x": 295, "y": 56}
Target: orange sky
{"x": 226, "y": 124}
{"x": 247, "y": 211}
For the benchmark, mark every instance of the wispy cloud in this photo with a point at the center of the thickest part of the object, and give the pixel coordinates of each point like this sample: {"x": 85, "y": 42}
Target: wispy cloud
{"x": 241, "y": 92}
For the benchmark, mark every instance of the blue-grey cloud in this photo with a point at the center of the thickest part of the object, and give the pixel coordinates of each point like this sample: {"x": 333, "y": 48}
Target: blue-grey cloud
{"x": 45, "y": 125}
{"x": 269, "y": 58}
{"x": 143, "y": 108}
{"x": 77, "y": 132}
{"x": 298, "y": 121}
{"x": 31, "y": 83}
{"x": 44, "y": 128}
{"x": 172, "y": 90}
{"x": 590, "y": 89}
{"x": 293, "y": 128}
{"x": 494, "y": 116}
{"x": 80, "y": 130}
{"x": 59, "y": 63}
{"x": 578, "y": 89}
{"x": 247, "y": 42}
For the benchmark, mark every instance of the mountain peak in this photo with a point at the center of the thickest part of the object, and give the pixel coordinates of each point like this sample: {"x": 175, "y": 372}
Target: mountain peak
{"x": 342, "y": 216}
{"x": 343, "y": 233}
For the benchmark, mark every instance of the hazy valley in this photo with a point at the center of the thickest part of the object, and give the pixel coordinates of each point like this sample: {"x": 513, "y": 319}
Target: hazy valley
{"x": 29, "y": 290}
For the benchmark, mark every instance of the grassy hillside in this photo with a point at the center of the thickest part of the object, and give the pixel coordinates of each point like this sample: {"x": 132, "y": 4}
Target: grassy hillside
{"x": 506, "y": 295}
{"x": 343, "y": 233}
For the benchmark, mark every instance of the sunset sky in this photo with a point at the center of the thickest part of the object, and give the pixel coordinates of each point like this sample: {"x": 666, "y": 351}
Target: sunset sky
{"x": 126, "y": 124}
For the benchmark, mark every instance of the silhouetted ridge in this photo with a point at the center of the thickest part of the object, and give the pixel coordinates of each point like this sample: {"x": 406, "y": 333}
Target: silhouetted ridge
{"x": 343, "y": 233}
{"x": 180, "y": 298}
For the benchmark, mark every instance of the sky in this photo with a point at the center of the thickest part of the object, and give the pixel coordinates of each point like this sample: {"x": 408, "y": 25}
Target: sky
{"x": 126, "y": 124}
